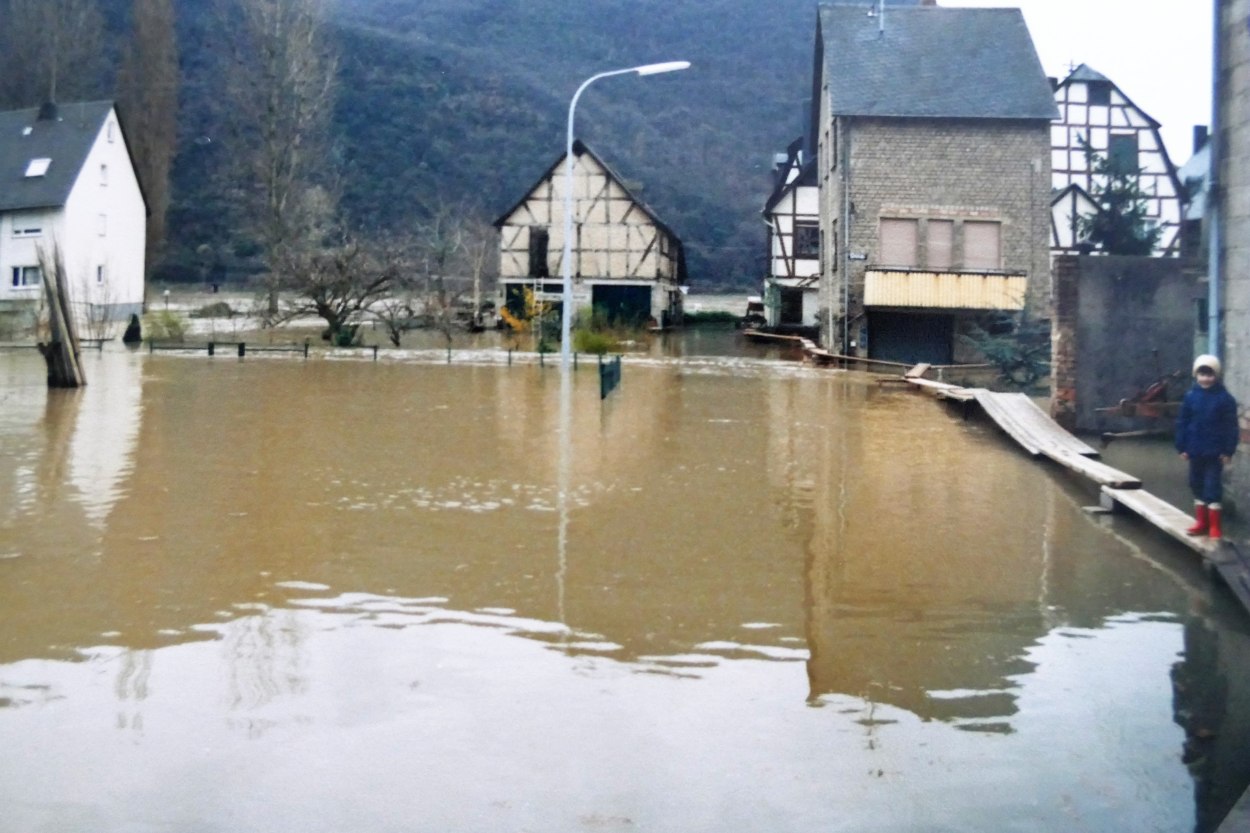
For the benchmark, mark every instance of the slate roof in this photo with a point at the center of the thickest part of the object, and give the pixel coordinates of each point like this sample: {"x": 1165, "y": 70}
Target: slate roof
{"x": 66, "y": 140}
{"x": 933, "y": 62}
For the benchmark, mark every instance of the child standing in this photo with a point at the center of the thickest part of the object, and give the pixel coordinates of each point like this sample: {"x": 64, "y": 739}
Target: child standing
{"x": 1206, "y": 436}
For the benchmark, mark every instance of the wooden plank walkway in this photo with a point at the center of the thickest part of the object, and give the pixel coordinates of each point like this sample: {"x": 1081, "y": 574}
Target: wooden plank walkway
{"x": 1036, "y": 432}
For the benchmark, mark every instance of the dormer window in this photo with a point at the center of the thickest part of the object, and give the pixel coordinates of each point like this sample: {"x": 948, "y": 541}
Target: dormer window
{"x": 38, "y": 167}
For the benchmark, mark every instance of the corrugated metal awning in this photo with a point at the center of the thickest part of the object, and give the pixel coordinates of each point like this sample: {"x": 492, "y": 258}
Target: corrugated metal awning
{"x": 944, "y": 290}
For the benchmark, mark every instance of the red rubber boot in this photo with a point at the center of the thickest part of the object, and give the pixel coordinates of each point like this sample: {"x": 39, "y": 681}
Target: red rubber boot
{"x": 1202, "y": 519}
{"x": 1213, "y": 521}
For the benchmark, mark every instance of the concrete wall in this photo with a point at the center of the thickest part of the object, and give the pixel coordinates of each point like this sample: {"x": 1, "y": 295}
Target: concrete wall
{"x": 1234, "y": 143}
{"x": 1118, "y": 324}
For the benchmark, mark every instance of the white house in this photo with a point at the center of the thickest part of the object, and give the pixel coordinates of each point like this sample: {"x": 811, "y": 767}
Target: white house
{"x": 792, "y": 214}
{"x": 1093, "y": 111}
{"x": 67, "y": 182}
{"x": 625, "y": 261}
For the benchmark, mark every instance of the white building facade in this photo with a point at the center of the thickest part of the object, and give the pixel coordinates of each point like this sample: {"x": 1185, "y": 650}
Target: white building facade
{"x": 68, "y": 186}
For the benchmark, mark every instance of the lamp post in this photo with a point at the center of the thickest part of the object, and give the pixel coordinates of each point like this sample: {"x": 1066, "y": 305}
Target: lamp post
{"x": 566, "y": 312}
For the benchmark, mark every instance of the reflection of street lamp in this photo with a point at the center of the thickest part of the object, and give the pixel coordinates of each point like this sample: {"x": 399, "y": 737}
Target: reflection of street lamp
{"x": 567, "y": 268}
{"x": 166, "y": 299}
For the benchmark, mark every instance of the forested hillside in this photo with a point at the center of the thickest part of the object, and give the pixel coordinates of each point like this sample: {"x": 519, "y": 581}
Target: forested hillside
{"x": 461, "y": 104}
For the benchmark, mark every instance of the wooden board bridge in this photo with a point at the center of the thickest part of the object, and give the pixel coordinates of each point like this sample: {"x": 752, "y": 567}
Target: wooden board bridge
{"x": 1020, "y": 418}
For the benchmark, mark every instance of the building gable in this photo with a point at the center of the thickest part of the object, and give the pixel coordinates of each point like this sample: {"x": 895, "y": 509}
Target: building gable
{"x": 42, "y": 157}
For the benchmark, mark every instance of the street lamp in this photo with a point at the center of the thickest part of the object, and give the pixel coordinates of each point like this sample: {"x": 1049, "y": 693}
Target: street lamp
{"x": 567, "y": 267}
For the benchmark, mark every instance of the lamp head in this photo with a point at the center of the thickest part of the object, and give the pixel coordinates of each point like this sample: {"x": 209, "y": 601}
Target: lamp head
{"x": 656, "y": 69}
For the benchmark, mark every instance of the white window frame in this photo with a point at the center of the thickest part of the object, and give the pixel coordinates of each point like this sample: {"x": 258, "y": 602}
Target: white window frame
{"x": 25, "y": 277}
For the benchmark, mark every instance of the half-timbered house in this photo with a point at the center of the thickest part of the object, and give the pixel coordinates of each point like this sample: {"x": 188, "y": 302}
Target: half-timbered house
{"x": 1096, "y": 116}
{"x": 792, "y": 214}
{"x": 626, "y": 263}
{"x": 932, "y": 129}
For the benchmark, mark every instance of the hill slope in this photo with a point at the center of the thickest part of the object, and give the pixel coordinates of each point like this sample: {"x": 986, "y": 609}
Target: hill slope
{"x": 463, "y": 103}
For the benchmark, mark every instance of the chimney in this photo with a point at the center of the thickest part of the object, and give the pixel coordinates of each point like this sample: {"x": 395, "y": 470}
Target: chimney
{"x": 47, "y": 111}
{"x": 1200, "y": 137}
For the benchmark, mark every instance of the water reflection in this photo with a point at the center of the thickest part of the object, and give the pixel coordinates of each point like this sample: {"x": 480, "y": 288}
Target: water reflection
{"x": 498, "y": 581}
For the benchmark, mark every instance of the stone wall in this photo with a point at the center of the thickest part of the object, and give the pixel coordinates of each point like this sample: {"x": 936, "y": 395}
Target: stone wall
{"x": 946, "y": 169}
{"x": 1234, "y": 148}
{"x": 1118, "y": 324}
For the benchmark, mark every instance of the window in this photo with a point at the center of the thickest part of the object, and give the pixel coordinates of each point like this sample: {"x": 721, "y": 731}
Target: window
{"x": 1099, "y": 92}
{"x": 1122, "y": 151}
{"x": 26, "y": 276}
{"x": 102, "y": 225}
{"x": 112, "y": 128}
{"x": 806, "y": 240}
{"x": 104, "y": 174}
{"x": 27, "y": 226}
{"x": 898, "y": 242}
{"x": 940, "y": 245}
{"x": 982, "y": 249}
{"x": 538, "y": 253}
{"x": 99, "y": 274}
{"x": 38, "y": 167}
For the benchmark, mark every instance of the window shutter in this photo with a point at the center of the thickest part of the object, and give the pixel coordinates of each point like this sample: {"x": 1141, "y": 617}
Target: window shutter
{"x": 982, "y": 245}
{"x": 898, "y": 242}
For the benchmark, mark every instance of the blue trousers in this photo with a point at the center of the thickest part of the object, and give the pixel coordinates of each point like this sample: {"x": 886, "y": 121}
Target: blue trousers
{"x": 1205, "y": 478}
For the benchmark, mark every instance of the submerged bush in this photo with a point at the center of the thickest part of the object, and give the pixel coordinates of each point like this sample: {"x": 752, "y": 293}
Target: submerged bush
{"x": 165, "y": 326}
{"x": 220, "y": 309}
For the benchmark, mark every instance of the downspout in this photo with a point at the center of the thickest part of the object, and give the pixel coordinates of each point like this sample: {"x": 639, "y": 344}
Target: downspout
{"x": 845, "y": 147}
{"x": 1215, "y": 238}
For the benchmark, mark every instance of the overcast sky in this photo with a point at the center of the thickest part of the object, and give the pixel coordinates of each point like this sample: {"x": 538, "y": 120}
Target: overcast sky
{"x": 1157, "y": 51}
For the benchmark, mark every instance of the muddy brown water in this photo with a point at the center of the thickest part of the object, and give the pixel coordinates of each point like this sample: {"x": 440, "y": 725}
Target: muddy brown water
{"x": 334, "y": 594}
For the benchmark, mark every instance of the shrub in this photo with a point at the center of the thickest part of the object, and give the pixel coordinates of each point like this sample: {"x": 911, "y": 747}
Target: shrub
{"x": 220, "y": 309}
{"x": 165, "y": 326}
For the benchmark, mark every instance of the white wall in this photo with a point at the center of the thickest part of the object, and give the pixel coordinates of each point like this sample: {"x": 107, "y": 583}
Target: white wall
{"x": 106, "y": 226}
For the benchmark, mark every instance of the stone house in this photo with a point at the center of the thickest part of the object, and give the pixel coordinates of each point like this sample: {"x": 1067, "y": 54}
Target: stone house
{"x": 67, "y": 182}
{"x": 1095, "y": 113}
{"x": 625, "y": 261}
{"x": 932, "y": 129}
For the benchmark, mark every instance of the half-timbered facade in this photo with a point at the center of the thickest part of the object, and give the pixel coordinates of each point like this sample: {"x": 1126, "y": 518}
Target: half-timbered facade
{"x": 625, "y": 262}
{"x": 792, "y": 214}
{"x": 1095, "y": 114}
{"x": 932, "y": 127}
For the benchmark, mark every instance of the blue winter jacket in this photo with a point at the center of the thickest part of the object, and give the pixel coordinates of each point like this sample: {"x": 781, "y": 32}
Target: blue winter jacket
{"x": 1207, "y": 426}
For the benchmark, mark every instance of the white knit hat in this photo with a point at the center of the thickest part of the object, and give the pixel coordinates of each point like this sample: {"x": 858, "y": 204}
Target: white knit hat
{"x": 1209, "y": 361}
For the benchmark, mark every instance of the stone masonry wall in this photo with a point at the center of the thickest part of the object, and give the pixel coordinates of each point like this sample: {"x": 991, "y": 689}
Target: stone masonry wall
{"x": 1234, "y": 139}
{"x": 952, "y": 169}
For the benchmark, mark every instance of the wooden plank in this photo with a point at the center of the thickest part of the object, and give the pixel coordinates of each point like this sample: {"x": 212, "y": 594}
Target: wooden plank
{"x": 1166, "y": 517}
{"x": 1097, "y": 471}
{"x": 917, "y": 371}
{"x": 1032, "y": 428}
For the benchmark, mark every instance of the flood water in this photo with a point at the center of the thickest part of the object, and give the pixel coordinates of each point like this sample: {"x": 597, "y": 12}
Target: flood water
{"x": 737, "y": 595}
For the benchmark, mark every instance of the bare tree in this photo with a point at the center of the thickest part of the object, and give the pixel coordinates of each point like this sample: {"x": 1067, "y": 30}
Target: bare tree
{"x": 50, "y": 49}
{"x": 340, "y": 283}
{"x": 148, "y": 97}
{"x": 281, "y": 88}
